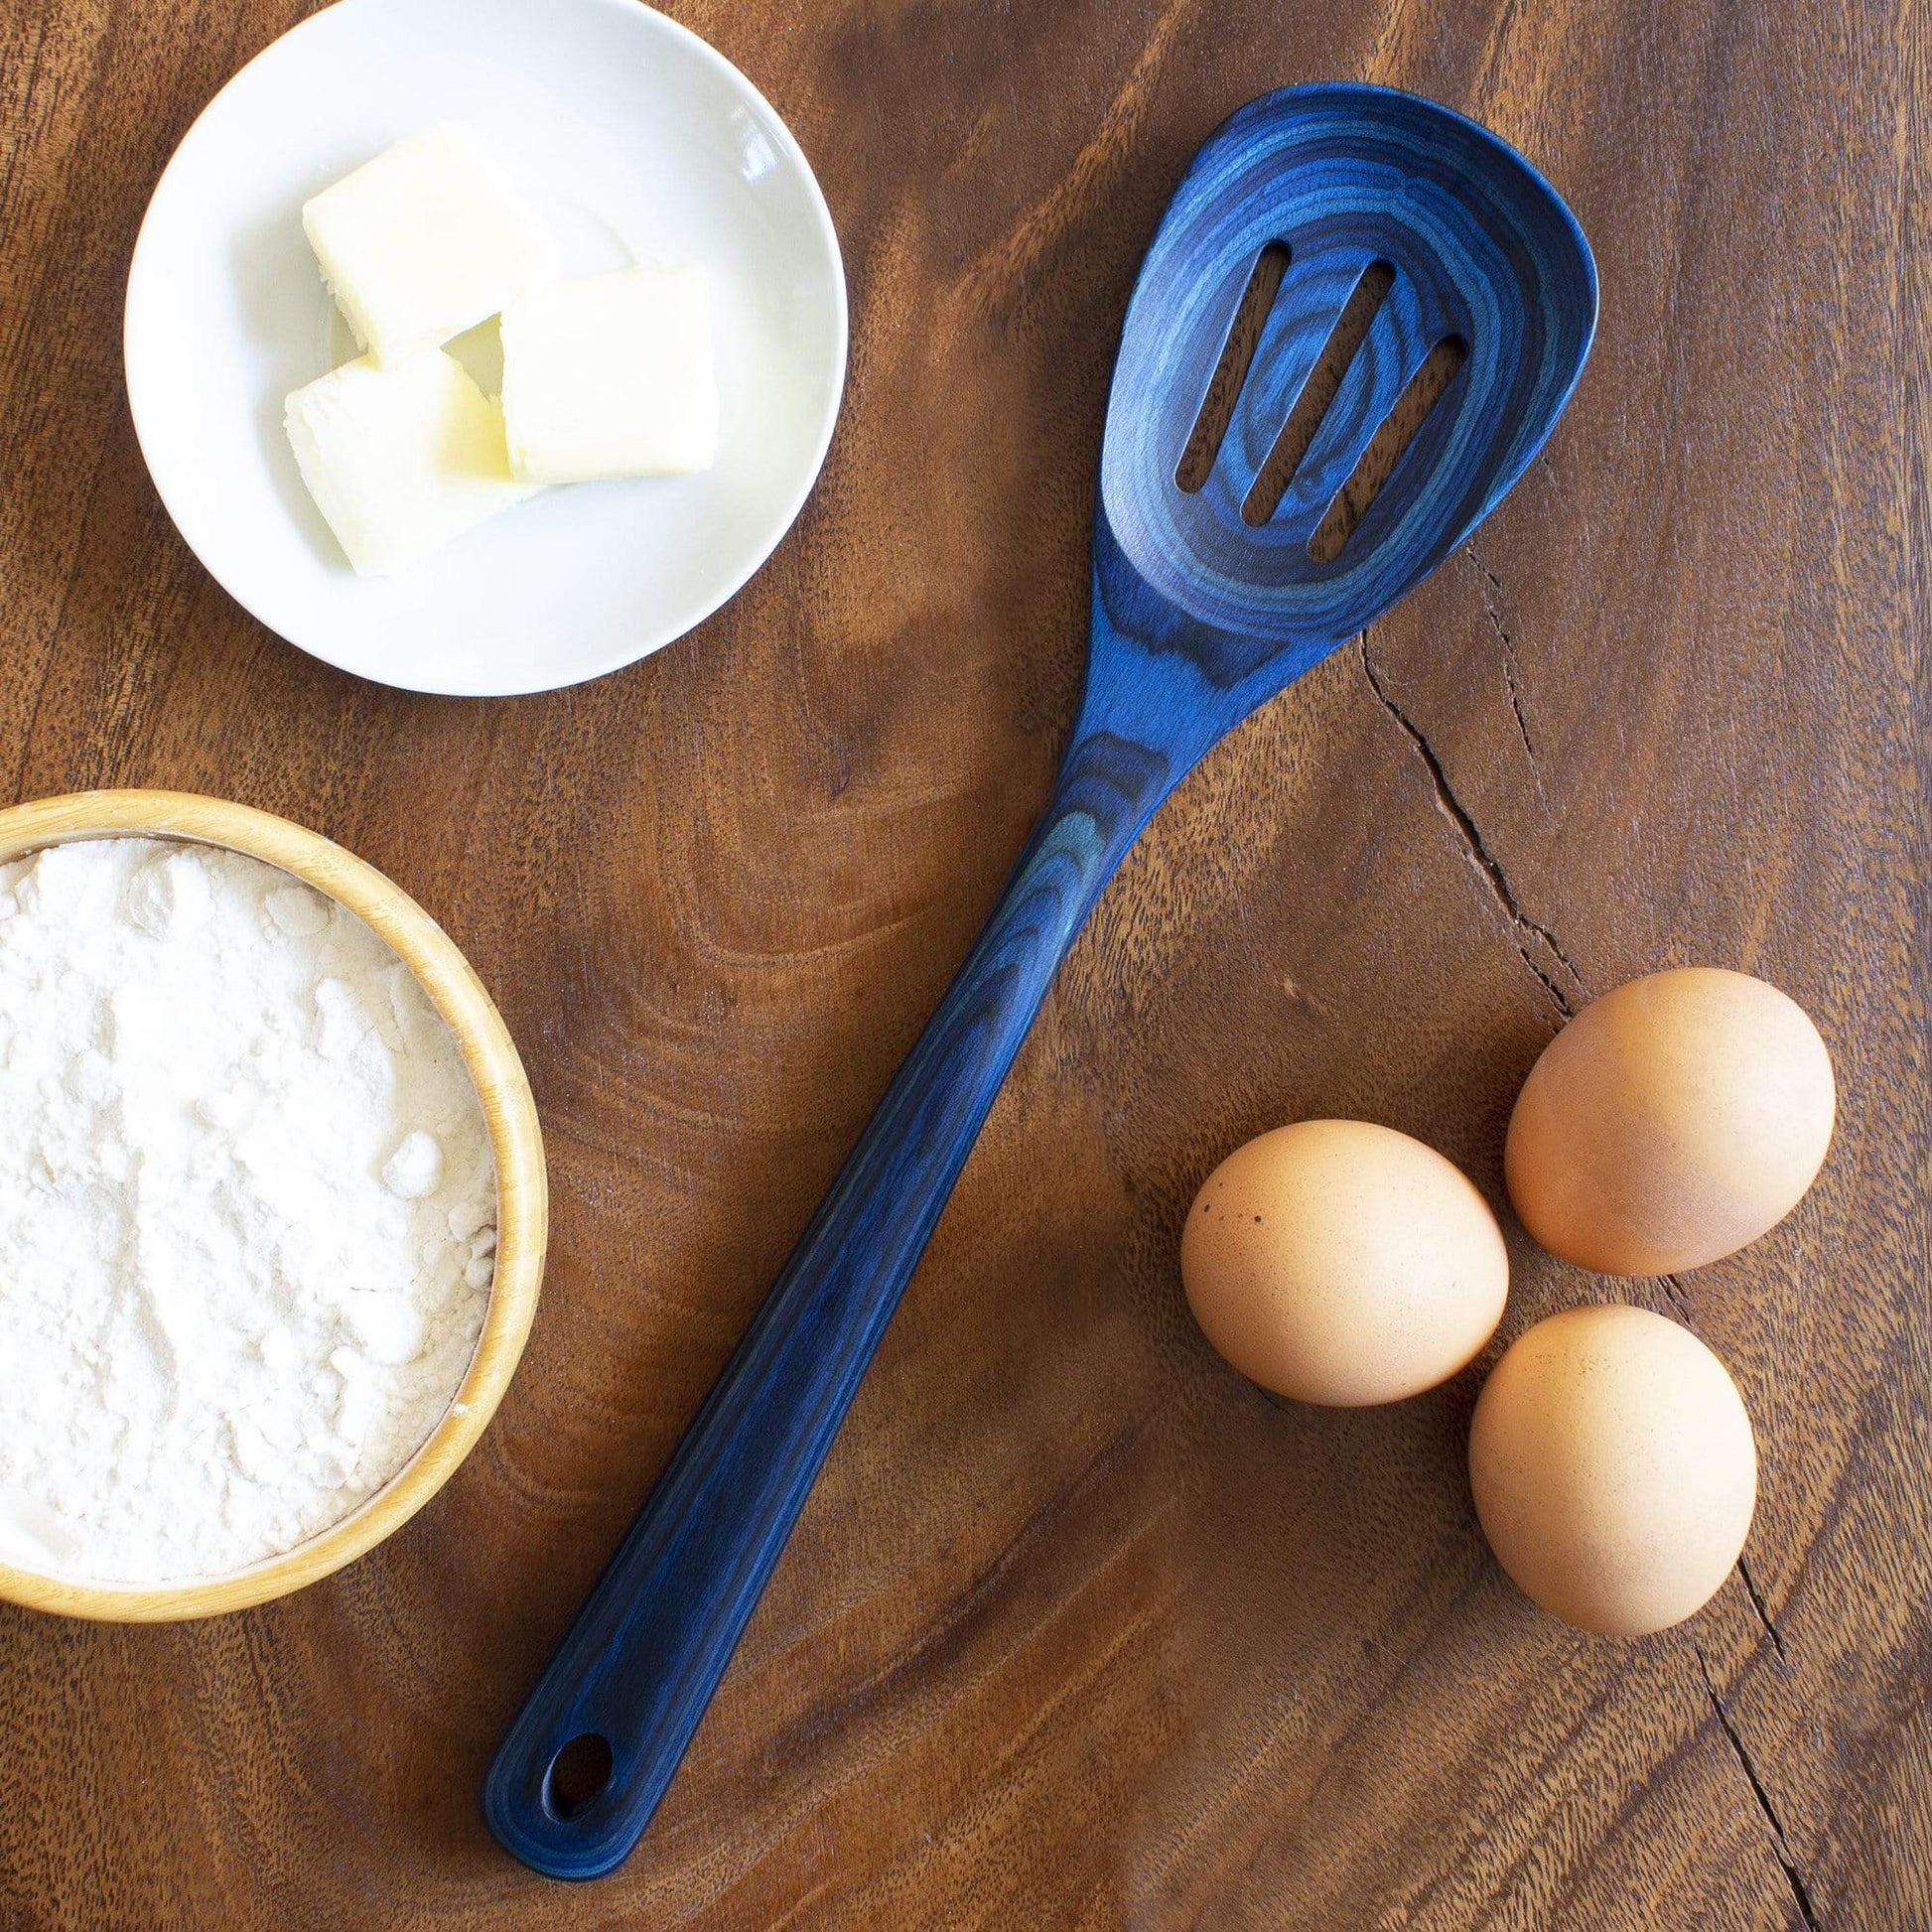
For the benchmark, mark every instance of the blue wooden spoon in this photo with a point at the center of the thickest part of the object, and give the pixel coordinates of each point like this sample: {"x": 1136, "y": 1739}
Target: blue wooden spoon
{"x": 1449, "y": 256}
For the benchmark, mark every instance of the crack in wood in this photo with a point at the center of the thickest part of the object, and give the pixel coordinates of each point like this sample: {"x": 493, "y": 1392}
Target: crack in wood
{"x": 1759, "y": 1604}
{"x": 1492, "y": 609}
{"x": 1475, "y": 849}
{"x": 1780, "y": 1844}
{"x": 1679, "y": 1297}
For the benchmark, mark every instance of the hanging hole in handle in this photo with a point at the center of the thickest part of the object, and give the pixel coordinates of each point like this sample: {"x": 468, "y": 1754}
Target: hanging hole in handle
{"x": 1397, "y": 429}
{"x": 1231, "y": 371}
{"x": 577, "y": 1774}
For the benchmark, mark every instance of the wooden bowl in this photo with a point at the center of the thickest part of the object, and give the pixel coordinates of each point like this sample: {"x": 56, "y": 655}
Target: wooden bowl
{"x": 523, "y": 1201}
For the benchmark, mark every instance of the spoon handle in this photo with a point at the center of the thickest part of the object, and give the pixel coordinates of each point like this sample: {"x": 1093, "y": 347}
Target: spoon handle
{"x": 637, "y": 1670}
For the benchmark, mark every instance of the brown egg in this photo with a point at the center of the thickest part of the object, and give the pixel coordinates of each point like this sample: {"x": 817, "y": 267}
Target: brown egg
{"x": 1613, "y": 1469}
{"x": 1343, "y": 1263}
{"x": 1671, "y": 1122}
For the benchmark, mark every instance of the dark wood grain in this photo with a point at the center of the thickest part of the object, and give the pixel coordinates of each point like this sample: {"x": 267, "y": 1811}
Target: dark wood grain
{"x": 1078, "y": 1629}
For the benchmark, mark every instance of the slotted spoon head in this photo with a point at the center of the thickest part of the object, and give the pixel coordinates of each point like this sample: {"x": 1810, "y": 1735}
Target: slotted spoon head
{"x": 1484, "y": 253}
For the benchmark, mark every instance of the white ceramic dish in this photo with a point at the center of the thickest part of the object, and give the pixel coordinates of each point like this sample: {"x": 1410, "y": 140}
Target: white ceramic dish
{"x": 636, "y": 141}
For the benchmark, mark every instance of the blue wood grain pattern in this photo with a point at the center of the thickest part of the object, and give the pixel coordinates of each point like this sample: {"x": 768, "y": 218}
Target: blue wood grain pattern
{"x": 1197, "y": 620}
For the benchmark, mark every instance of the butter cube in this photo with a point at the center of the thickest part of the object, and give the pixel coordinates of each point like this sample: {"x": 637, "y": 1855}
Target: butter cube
{"x": 610, "y": 377}
{"x": 400, "y": 461}
{"x": 426, "y": 240}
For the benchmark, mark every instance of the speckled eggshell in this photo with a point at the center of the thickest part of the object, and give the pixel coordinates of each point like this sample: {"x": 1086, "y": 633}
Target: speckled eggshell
{"x": 1343, "y": 1263}
{"x": 1671, "y": 1122}
{"x": 1613, "y": 1469}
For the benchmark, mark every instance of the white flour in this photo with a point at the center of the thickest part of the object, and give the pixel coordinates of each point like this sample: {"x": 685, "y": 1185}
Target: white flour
{"x": 247, "y": 1210}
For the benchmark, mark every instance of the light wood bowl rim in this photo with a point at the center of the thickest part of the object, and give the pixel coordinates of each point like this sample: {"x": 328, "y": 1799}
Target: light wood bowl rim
{"x": 509, "y": 1112}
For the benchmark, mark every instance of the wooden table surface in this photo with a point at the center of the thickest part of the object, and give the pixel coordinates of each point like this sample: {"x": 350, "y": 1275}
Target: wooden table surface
{"x": 1078, "y": 1628}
